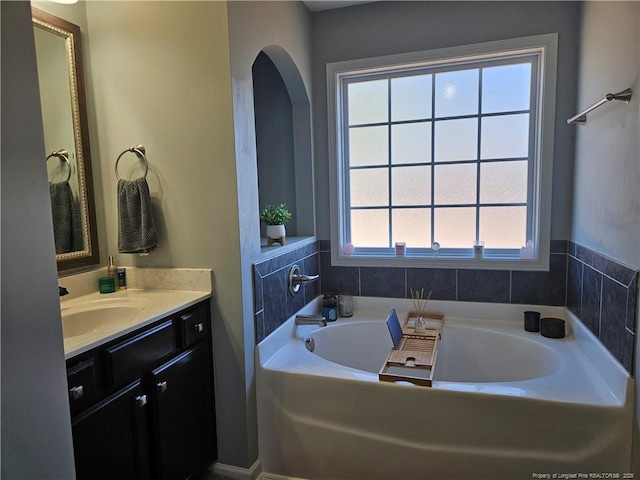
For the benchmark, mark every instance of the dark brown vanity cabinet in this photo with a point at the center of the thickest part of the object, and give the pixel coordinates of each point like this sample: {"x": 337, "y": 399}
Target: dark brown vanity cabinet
{"x": 150, "y": 411}
{"x": 111, "y": 439}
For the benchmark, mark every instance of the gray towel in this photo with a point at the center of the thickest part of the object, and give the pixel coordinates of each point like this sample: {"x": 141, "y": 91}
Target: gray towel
{"x": 136, "y": 228}
{"x": 67, "y": 222}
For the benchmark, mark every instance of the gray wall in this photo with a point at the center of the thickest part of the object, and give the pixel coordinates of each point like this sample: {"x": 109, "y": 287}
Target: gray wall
{"x": 274, "y": 139}
{"x": 158, "y": 73}
{"x": 36, "y": 425}
{"x": 385, "y": 28}
{"x": 607, "y": 170}
{"x": 207, "y": 214}
{"x": 606, "y": 215}
{"x": 160, "y": 77}
{"x": 283, "y": 30}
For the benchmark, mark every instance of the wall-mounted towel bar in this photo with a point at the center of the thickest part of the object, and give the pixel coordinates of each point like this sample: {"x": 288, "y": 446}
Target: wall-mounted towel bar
{"x": 63, "y": 156}
{"x": 140, "y": 151}
{"x": 581, "y": 118}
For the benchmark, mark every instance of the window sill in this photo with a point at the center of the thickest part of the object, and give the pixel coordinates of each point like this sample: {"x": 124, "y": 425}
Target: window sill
{"x": 292, "y": 243}
{"x": 439, "y": 261}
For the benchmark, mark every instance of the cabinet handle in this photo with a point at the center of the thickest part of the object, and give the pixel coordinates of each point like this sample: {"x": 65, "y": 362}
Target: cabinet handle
{"x": 76, "y": 392}
{"x": 141, "y": 400}
{"x": 198, "y": 327}
{"x": 162, "y": 386}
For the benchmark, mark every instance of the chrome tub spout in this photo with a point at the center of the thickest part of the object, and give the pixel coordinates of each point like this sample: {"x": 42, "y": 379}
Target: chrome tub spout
{"x": 311, "y": 320}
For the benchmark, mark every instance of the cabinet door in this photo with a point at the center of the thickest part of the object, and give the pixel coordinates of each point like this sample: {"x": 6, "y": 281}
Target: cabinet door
{"x": 183, "y": 415}
{"x": 110, "y": 440}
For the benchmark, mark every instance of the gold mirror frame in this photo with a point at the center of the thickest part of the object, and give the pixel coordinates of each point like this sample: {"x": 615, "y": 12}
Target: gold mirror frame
{"x": 71, "y": 34}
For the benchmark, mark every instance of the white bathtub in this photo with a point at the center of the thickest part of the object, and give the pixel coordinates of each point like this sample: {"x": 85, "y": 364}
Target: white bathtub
{"x": 505, "y": 403}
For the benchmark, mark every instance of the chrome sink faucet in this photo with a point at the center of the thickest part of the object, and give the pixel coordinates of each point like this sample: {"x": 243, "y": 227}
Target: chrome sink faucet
{"x": 318, "y": 320}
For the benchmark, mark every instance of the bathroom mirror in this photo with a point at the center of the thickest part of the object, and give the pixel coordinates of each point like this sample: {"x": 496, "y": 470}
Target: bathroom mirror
{"x": 66, "y": 137}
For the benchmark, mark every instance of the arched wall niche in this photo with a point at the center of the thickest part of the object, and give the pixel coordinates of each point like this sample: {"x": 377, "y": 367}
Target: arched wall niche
{"x": 283, "y": 140}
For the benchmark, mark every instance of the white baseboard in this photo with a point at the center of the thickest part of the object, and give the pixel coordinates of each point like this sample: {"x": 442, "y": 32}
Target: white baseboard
{"x": 273, "y": 476}
{"x": 238, "y": 473}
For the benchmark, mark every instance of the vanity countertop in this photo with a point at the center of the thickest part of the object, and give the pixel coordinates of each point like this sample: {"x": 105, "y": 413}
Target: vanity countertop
{"x": 148, "y": 307}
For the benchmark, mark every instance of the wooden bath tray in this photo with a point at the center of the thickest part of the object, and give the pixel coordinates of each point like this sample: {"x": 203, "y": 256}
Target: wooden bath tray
{"x": 413, "y": 358}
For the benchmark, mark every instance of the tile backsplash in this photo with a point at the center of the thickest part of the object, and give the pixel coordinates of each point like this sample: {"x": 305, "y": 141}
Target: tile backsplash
{"x": 600, "y": 291}
{"x": 273, "y": 304}
{"x": 603, "y": 294}
{"x": 467, "y": 285}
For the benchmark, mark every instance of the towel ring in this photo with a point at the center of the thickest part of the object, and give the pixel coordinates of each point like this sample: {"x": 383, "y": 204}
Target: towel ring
{"x": 63, "y": 155}
{"x": 140, "y": 151}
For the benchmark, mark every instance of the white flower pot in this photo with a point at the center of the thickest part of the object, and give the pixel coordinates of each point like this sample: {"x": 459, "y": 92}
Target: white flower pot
{"x": 277, "y": 233}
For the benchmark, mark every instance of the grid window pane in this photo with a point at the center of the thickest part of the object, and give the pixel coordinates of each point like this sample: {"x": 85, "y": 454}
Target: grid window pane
{"x": 457, "y": 93}
{"x": 369, "y": 187}
{"x": 503, "y": 227}
{"x": 455, "y": 184}
{"x": 412, "y": 226}
{"x": 505, "y": 136}
{"x": 440, "y": 151}
{"x": 411, "y": 143}
{"x": 411, "y": 185}
{"x": 368, "y": 102}
{"x": 456, "y": 140}
{"x": 370, "y": 228}
{"x": 455, "y": 227}
{"x": 506, "y": 88}
{"x": 368, "y": 146}
{"x": 411, "y": 98}
{"x": 503, "y": 182}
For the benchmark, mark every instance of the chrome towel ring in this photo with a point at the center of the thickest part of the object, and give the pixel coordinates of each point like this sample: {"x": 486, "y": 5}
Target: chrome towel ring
{"x": 140, "y": 151}
{"x": 63, "y": 156}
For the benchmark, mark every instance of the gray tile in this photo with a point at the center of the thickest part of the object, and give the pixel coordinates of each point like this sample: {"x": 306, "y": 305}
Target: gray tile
{"x": 574, "y": 286}
{"x": 571, "y": 248}
{"x": 259, "y": 324}
{"x": 609, "y": 267}
{"x": 271, "y": 265}
{"x": 613, "y": 319}
{"x": 615, "y": 270}
{"x": 632, "y": 302}
{"x": 484, "y": 286}
{"x": 257, "y": 291}
{"x": 559, "y": 246}
{"x": 324, "y": 245}
{"x": 338, "y": 279}
{"x": 541, "y": 288}
{"x": 629, "y": 352}
{"x": 275, "y": 300}
{"x": 276, "y": 263}
{"x": 585, "y": 255}
{"x": 311, "y": 267}
{"x": 294, "y": 302}
{"x": 591, "y": 298}
{"x": 441, "y": 282}
{"x": 382, "y": 282}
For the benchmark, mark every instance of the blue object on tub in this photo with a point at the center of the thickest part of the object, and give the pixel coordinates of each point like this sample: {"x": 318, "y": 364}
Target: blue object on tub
{"x": 394, "y": 329}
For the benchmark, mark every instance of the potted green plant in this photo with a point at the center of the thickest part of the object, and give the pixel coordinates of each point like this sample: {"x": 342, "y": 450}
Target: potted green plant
{"x": 275, "y": 217}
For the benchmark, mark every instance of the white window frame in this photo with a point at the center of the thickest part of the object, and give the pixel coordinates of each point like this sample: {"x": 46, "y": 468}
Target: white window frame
{"x": 545, "y": 47}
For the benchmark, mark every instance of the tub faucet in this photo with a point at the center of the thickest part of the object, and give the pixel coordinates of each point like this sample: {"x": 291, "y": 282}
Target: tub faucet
{"x": 311, "y": 320}
{"x": 296, "y": 279}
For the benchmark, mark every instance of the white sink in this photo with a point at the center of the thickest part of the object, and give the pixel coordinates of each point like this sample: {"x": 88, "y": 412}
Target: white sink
{"x": 99, "y": 315}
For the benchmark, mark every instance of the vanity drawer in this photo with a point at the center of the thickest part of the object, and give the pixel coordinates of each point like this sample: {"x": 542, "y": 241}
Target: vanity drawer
{"x": 128, "y": 360}
{"x": 81, "y": 381}
{"x": 193, "y": 326}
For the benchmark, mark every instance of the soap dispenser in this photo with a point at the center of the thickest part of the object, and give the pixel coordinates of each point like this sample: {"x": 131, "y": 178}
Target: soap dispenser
{"x": 112, "y": 270}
